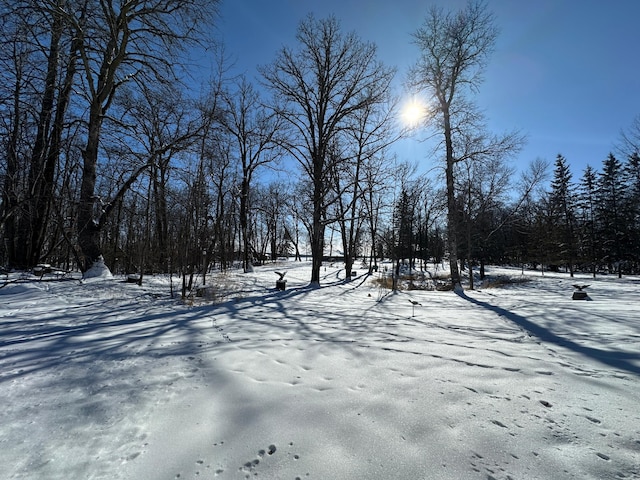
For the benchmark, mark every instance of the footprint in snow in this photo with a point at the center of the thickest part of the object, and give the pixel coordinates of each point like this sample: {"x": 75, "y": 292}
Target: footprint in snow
{"x": 499, "y": 424}
{"x": 261, "y": 453}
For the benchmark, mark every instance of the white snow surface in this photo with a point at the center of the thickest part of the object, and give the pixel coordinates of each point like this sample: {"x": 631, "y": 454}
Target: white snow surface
{"x": 98, "y": 271}
{"x": 110, "y": 380}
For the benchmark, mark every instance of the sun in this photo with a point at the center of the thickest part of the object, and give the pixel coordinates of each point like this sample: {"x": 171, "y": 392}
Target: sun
{"x": 413, "y": 113}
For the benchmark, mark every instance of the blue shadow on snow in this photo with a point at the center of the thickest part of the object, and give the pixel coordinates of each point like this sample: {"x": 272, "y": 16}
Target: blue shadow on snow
{"x": 618, "y": 360}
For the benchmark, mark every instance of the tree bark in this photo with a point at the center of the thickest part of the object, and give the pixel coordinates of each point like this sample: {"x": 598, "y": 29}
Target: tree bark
{"x": 44, "y": 193}
{"x": 452, "y": 223}
{"x": 317, "y": 228}
{"x": 16, "y": 257}
{"x": 88, "y": 223}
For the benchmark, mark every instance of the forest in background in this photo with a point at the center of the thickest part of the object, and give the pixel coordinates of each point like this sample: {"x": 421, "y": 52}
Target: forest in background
{"x": 109, "y": 150}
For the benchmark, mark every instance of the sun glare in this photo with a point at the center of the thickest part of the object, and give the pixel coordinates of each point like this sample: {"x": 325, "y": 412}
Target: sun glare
{"x": 413, "y": 113}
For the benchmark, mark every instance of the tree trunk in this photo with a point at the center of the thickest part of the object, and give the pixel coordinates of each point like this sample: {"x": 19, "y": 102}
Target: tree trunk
{"x": 317, "y": 229}
{"x": 44, "y": 194}
{"x": 10, "y": 194}
{"x": 469, "y": 253}
{"x": 88, "y": 224}
{"x": 162, "y": 221}
{"x": 452, "y": 231}
{"x": 244, "y": 230}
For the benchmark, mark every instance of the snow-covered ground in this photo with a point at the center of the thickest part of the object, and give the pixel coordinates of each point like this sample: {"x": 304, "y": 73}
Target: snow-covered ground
{"x": 109, "y": 380}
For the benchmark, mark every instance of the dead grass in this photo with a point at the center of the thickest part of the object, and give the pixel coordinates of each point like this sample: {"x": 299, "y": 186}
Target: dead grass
{"x": 501, "y": 281}
{"x": 414, "y": 281}
{"x": 383, "y": 282}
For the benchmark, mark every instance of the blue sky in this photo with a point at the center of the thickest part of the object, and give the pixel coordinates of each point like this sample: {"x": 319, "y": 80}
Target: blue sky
{"x": 565, "y": 73}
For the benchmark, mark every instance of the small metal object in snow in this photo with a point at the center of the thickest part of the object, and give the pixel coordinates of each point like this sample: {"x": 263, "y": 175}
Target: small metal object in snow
{"x": 281, "y": 283}
{"x": 580, "y": 294}
{"x": 413, "y": 307}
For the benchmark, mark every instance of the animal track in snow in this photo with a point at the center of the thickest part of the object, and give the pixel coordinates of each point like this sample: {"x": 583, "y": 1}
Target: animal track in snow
{"x": 249, "y": 467}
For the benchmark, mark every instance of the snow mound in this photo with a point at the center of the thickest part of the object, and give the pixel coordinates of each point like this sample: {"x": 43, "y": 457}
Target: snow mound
{"x": 98, "y": 271}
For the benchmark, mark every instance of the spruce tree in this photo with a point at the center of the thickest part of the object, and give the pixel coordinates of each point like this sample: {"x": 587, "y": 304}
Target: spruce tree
{"x": 586, "y": 211}
{"x": 632, "y": 207}
{"x": 610, "y": 214}
{"x": 562, "y": 209}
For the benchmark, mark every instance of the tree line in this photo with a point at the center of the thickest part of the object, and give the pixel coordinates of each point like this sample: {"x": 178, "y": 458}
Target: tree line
{"x": 111, "y": 152}
{"x": 559, "y": 223}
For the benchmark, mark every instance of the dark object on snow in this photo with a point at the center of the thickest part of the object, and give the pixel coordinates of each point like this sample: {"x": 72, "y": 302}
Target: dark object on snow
{"x": 205, "y": 291}
{"x": 580, "y": 294}
{"x": 281, "y": 283}
{"x": 42, "y": 268}
{"x": 413, "y": 307}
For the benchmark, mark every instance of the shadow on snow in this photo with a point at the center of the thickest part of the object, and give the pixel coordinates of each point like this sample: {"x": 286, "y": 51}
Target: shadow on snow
{"x": 618, "y": 360}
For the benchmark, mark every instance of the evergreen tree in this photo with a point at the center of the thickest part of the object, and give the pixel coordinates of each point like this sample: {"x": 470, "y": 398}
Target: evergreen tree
{"x": 404, "y": 223}
{"x": 632, "y": 207}
{"x": 562, "y": 206}
{"x": 586, "y": 208}
{"x": 610, "y": 214}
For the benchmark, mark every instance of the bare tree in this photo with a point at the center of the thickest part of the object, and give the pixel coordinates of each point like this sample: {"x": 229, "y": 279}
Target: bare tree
{"x": 372, "y": 131}
{"x": 123, "y": 41}
{"x": 330, "y": 78}
{"x": 166, "y": 125}
{"x": 377, "y": 189}
{"x": 254, "y": 130}
{"x": 35, "y": 37}
{"x": 454, "y": 50}
{"x": 629, "y": 142}
{"x": 483, "y": 187}
{"x": 13, "y": 73}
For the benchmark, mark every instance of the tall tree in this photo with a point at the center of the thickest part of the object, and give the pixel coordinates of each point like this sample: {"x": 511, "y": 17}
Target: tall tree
{"x": 371, "y": 132}
{"x": 125, "y": 40}
{"x": 38, "y": 38}
{"x": 632, "y": 180}
{"x": 483, "y": 185}
{"x": 317, "y": 88}
{"x": 14, "y": 58}
{"x": 377, "y": 184}
{"x": 454, "y": 50}
{"x": 254, "y": 130}
{"x": 165, "y": 126}
{"x": 612, "y": 224}
{"x": 586, "y": 206}
{"x": 562, "y": 203}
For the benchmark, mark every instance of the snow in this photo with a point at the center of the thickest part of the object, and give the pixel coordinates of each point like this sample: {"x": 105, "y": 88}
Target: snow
{"x": 110, "y": 380}
{"x": 98, "y": 271}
